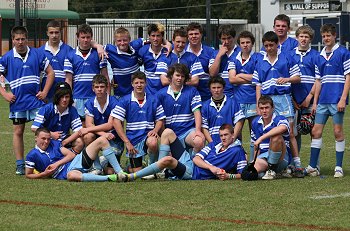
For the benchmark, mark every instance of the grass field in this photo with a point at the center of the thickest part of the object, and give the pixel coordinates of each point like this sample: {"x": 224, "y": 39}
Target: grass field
{"x": 321, "y": 203}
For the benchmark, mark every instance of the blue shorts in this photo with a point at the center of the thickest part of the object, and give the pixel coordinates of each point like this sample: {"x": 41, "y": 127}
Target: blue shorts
{"x": 79, "y": 104}
{"x": 186, "y": 160}
{"x": 28, "y": 115}
{"x": 283, "y": 105}
{"x": 141, "y": 148}
{"x": 249, "y": 109}
{"x": 76, "y": 164}
{"x": 182, "y": 137}
{"x": 118, "y": 146}
{"x": 281, "y": 164}
{"x": 323, "y": 111}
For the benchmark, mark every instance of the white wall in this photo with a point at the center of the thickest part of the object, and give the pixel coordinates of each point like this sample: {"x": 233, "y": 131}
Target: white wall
{"x": 268, "y": 13}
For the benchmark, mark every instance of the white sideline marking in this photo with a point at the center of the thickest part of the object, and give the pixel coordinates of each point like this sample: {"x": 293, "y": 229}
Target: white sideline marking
{"x": 330, "y": 196}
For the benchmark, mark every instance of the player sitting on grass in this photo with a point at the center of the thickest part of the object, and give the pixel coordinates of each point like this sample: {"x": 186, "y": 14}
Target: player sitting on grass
{"x": 52, "y": 160}
{"x": 225, "y": 160}
{"x": 270, "y": 133}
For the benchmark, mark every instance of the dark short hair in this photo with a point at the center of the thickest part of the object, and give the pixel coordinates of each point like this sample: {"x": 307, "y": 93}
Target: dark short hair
{"x": 154, "y": 27}
{"x": 138, "y": 75}
{"x": 99, "y": 79}
{"x": 270, "y": 36}
{"x": 246, "y": 34}
{"x": 265, "y": 99}
{"x": 328, "y": 27}
{"x": 19, "y": 30}
{"x": 85, "y": 29}
{"x": 282, "y": 17}
{"x": 217, "y": 79}
{"x": 180, "y": 68}
{"x": 226, "y": 29}
{"x": 62, "y": 89}
{"x": 42, "y": 129}
{"x": 179, "y": 32}
{"x": 53, "y": 23}
{"x": 195, "y": 26}
{"x": 227, "y": 126}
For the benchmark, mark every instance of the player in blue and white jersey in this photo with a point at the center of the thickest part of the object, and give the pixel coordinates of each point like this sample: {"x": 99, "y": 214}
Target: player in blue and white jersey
{"x": 281, "y": 26}
{"x": 55, "y": 51}
{"x": 144, "y": 116}
{"x": 182, "y": 105}
{"x": 223, "y": 59}
{"x": 123, "y": 57}
{"x": 60, "y": 117}
{"x": 304, "y": 91}
{"x": 273, "y": 76}
{"x": 52, "y": 160}
{"x": 21, "y": 67}
{"x": 241, "y": 76}
{"x": 180, "y": 55}
{"x": 98, "y": 121}
{"x": 203, "y": 52}
{"x": 331, "y": 95}
{"x": 224, "y": 160}
{"x": 150, "y": 55}
{"x": 220, "y": 110}
{"x": 270, "y": 134}
{"x": 81, "y": 65}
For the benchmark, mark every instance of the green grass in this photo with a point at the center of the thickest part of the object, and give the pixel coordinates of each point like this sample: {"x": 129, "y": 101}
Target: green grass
{"x": 285, "y": 204}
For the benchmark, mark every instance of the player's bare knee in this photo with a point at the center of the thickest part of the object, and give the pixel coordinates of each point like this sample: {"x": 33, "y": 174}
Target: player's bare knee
{"x": 88, "y": 138}
{"x": 165, "y": 161}
{"x": 74, "y": 176}
{"x": 198, "y": 143}
{"x": 78, "y": 145}
{"x": 152, "y": 144}
{"x": 168, "y": 135}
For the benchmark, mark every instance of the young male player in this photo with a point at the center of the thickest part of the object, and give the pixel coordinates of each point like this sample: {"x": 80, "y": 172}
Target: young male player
{"x": 55, "y": 51}
{"x": 203, "y": 52}
{"x": 331, "y": 95}
{"x": 180, "y": 55}
{"x": 241, "y": 74}
{"x": 270, "y": 133}
{"x": 50, "y": 159}
{"x": 81, "y": 65}
{"x": 59, "y": 117}
{"x": 181, "y": 105}
{"x": 281, "y": 26}
{"x": 225, "y": 56}
{"x": 273, "y": 76}
{"x": 144, "y": 116}
{"x": 220, "y": 110}
{"x": 21, "y": 67}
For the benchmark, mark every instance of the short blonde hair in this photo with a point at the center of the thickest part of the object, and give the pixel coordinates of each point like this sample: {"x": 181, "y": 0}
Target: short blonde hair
{"x": 306, "y": 29}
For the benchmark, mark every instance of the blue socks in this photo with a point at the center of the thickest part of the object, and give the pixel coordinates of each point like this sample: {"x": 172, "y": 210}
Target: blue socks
{"x": 91, "y": 177}
{"x": 163, "y": 151}
{"x": 109, "y": 153}
{"x": 315, "y": 153}
{"x": 149, "y": 170}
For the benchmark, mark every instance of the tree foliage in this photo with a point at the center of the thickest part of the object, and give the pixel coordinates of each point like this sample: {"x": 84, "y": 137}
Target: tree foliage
{"x": 233, "y": 9}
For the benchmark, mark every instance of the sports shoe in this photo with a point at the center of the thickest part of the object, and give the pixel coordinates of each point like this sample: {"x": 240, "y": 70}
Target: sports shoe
{"x": 20, "y": 169}
{"x": 120, "y": 177}
{"x": 298, "y": 173}
{"x": 158, "y": 175}
{"x": 96, "y": 171}
{"x": 269, "y": 175}
{"x": 310, "y": 171}
{"x": 338, "y": 172}
{"x": 287, "y": 173}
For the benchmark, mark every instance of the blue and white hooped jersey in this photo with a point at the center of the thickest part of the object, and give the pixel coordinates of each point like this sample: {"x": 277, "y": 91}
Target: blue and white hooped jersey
{"x": 212, "y": 118}
{"x": 331, "y": 71}
{"x": 258, "y": 129}
{"x": 101, "y": 115}
{"x": 245, "y": 93}
{"x": 286, "y": 46}
{"x": 306, "y": 61}
{"x": 179, "y": 111}
{"x": 189, "y": 59}
{"x": 232, "y": 160}
{"x": 124, "y": 64}
{"x": 40, "y": 160}
{"x": 150, "y": 61}
{"x": 49, "y": 117}
{"x": 140, "y": 118}
{"x": 267, "y": 73}
{"x": 204, "y": 56}
{"x": 83, "y": 70}
{"x": 24, "y": 77}
{"x": 227, "y": 63}
{"x": 56, "y": 60}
